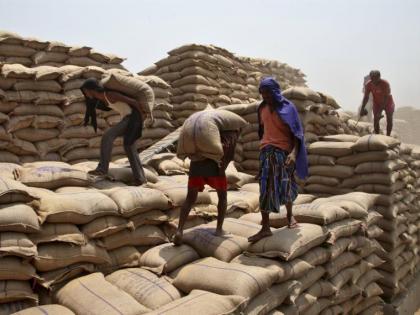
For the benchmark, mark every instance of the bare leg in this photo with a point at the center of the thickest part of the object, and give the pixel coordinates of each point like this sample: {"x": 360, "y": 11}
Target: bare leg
{"x": 376, "y": 119}
{"x": 292, "y": 223}
{"x": 389, "y": 123}
{"x": 221, "y": 211}
{"x": 265, "y": 229}
{"x": 185, "y": 211}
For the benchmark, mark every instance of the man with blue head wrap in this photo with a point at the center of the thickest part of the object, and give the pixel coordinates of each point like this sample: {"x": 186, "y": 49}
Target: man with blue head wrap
{"x": 282, "y": 154}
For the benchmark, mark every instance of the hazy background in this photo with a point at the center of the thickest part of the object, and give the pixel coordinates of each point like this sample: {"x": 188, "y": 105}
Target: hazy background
{"x": 334, "y": 42}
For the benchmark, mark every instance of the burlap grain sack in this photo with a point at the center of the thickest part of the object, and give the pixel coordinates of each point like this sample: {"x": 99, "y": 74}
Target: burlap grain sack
{"x": 353, "y": 209}
{"x": 329, "y": 148}
{"x": 305, "y": 301}
{"x": 375, "y": 143}
{"x": 12, "y": 290}
{"x": 18, "y": 218}
{"x": 238, "y": 227}
{"x": 146, "y": 288}
{"x": 16, "y": 244}
{"x": 364, "y": 200}
{"x": 345, "y": 260}
{"x": 340, "y": 246}
{"x": 339, "y": 171}
{"x": 13, "y": 191}
{"x": 285, "y": 270}
{"x": 122, "y": 257}
{"x": 385, "y": 167}
{"x": 219, "y": 277}
{"x": 105, "y": 226}
{"x": 322, "y": 288}
{"x": 369, "y": 156}
{"x": 152, "y": 217}
{"x": 203, "y": 239}
{"x": 92, "y": 294}
{"x": 14, "y": 268}
{"x": 58, "y": 255}
{"x": 366, "y": 304}
{"x": 340, "y": 138}
{"x": 142, "y": 236}
{"x": 302, "y": 93}
{"x": 288, "y": 244}
{"x": 77, "y": 208}
{"x": 203, "y": 302}
{"x": 134, "y": 200}
{"x": 52, "y": 177}
{"x": 165, "y": 258}
{"x": 132, "y": 87}
{"x": 55, "y": 278}
{"x": 271, "y": 298}
{"x": 52, "y": 309}
{"x": 323, "y": 180}
{"x": 343, "y": 228}
{"x": 62, "y": 232}
{"x": 17, "y": 71}
{"x": 309, "y": 279}
{"x": 200, "y": 134}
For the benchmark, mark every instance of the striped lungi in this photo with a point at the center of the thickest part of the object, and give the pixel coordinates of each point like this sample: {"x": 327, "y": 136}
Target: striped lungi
{"x": 277, "y": 182}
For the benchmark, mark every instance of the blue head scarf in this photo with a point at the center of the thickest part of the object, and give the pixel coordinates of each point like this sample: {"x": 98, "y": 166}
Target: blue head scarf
{"x": 288, "y": 114}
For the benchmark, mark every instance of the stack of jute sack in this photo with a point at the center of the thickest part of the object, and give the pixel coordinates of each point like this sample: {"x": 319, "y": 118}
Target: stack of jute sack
{"x": 324, "y": 266}
{"x": 32, "y": 52}
{"x": 332, "y": 258}
{"x": 258, "y": 68}
{"x": 375, "y": 164}
{"x": 42, "y": 112}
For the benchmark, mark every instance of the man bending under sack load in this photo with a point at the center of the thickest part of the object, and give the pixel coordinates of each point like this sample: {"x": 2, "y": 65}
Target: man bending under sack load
{"x": 130, "y": 127}
{"x": 382, "y": 101}
{"x": 282, "y": 152}
{"x": 208, "y": 172}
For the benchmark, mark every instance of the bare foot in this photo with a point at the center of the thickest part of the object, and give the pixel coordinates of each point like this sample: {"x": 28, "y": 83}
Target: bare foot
{"x": 293, "y": 223}
{"x": 261, "y": 234}
{"x": 177, "y": 238}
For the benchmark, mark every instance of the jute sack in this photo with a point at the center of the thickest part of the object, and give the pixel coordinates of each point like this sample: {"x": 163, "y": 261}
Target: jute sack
{"x": 288, "y": 244}
{"x": 134, "y": 200}
{"x": 203, "y": 239}
{"x": 63, "y": 232}
{"x": 7, "y": 169}
{"x": 151, "y": 217}
{"x": 54, "y": 279}
{"x": 370, "y": 156}
{"x": 353, "y": 209}
{"x": 200, "y": 134}
{"x": 142, "y": 236}
{"x": 285, "y": 270}
{"x": 18, "y": 218}
{"x": 77, "y": 208}
{"x": 365, "y": 200}
{"x": 323, "y": 180}
{"x": 345, "y": 260}
{"x": 132, "y": 87}
{"x": 329, "y": 148}
{"x": 340, "y": 138}
{"x": 322, "y": 288}
{"x": 52, "y": 309}
{"x": 340, "y": 246}
{"x": 309, "y": 279}
{"x": 145, "y": 287}
{"x": 13, "y": 191}
{"x": 203, "y": 302}
{"x": 343, "y": 228}
{"x": 14, "y": 268}
{"x": 58, "y": 255}
{"x": 92, "y": 294}
{"x": 366, "y": 179}
{"x": 339, "y": 171}
{"x": 380, "y": 167}
{"x": 375, "y": 143}
{"x": 16, "y": 244}
{"x": 122, "y": 257}
{"x": 12, "y": 290}
{"x": 219, "y": 277}
{"x": 302, "y": 93}
{"x": 304, "y": 301}
{"x": 51, "y": 177}
{"x": 271, "y": 298}
{"x": 238, "y": 227}
{"x": 165, "y": 258}
{"x": 105, "y": 226}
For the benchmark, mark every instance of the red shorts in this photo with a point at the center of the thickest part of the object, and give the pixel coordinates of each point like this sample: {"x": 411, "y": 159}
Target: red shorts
{"x": 216, "y": 182}
{"x": 389, "y": 109}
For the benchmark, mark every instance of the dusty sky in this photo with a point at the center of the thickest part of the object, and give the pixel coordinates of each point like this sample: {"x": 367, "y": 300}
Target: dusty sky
{"x": 334, "y": 42}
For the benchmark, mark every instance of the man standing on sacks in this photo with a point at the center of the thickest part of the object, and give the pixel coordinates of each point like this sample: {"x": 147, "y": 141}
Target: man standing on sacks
{"x": 282, "y": 154}
{"x": 208, "y": 138}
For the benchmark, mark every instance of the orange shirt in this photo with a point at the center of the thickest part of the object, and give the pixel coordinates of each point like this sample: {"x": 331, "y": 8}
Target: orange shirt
{"x": 276, "y": 132}
{"x": 379, "y": 91}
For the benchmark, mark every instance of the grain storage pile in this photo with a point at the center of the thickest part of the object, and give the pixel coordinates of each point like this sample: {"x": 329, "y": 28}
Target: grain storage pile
{"x": 32, "y": 52}
{"x": 380, "y": 165}
{"x": 202, "y": 75}
{"x": 42, "y": 112}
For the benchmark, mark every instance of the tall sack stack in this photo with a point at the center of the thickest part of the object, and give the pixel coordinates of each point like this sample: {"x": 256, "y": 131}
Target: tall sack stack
{"x": 32, "y": 52}
{"x": 163, "y": 122}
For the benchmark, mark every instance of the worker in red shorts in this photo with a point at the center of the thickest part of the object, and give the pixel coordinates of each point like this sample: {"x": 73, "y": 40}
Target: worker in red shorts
{"x": 209, "y": 172}
{"x": 382, "y": 101}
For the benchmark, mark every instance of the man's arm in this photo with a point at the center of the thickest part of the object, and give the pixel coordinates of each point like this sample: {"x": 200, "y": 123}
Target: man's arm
{"x": 291, "y": 158}
{"x": 364, "y": 102}
{"x": 229, "y": 143}
{"x": 386, "y": 96}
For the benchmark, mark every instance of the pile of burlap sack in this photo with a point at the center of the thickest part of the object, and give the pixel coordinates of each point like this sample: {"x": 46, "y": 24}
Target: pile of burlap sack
{"x": 201, "y": 75}
{"x": 57, "y": 224}
{"x": 380, "y": 165}
{"x": 42, "y": 111}
{"x": 33, "y": 52}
